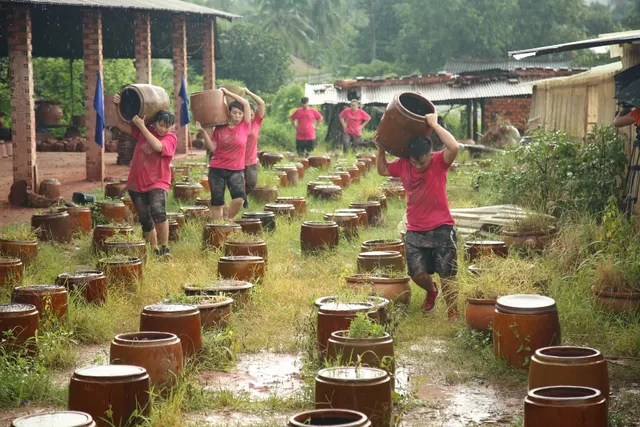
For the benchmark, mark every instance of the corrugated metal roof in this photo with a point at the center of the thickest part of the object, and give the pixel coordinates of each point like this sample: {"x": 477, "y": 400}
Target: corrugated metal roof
{"x": 461, "y": 66}
{"x": 616, "y": 38}
{"x": 150, "y": 5}
{"x": 595, "y": 72}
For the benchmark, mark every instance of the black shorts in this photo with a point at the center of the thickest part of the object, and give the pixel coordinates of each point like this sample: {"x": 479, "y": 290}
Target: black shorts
{"x": 150, "y": 206}
{"x": 221, "y": 178}
{"x": 250, "y": 178}
{"x": 433, "y": 251}
{"x": 305, "y": 146}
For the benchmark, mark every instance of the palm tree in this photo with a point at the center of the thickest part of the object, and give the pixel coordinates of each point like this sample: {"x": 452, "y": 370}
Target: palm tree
{"x": 289, "y": 20}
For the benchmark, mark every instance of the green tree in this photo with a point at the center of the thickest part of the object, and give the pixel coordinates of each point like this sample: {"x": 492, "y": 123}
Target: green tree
{"x": 288, "y": 20}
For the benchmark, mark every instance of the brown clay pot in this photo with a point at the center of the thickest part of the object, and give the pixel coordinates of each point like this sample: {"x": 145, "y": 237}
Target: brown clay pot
{"x": 372, "y": 352}
{"x": 522, "y": 324}
{"x": 281, "y": 209}
{"x": 327, "y": 192}
{"x": 347, "y": 222}
{"x": 102, "y": 232}
{"x": 50, "y": 188}
{"x": 379, "y": 304}
{"x": 160, "y": 353}
{"x": 318, "y": 235}
{"x": 380, "y": 260}
{"x": 58, "y": 419}
{"x": 394, "y": 181}
{"x": 249, "y": 225}
{"x": 479, "y": 313}
{"x": 204, "y": 181}
{"x": 300, "y": 203}
{"x": 362, "y": 389}
{"x": 11, "y": 271}
{"x": 305, "y": 163}
{"x": 115, "y": 190}
{"x": 110, "y": 393}
{"x": 196, "y": 213}
{"x": 363, "y": 217}
{"x": 561, "y": 406}
{"x": 362, "y": 167}
{"x": 245, "y": 268}
{"x": 174, "y": 230}
{"x": 334, "y": 317}
{"x": 282, "y": 176}
{"x": 354, "y": 171}
{"x": 300, "y": 167}
{"x": 240, "y": 248}
{"x": 47, "y": 299}
{"x": 239, "y": 290}
{"x": 573, "y": 366}
{"x": 319, "y": 161}
{"x": 311, "y": 185}
{"x": 293, "y": 177}
{"x": 395, "y": 289}
{"x": 113, "y": 212}
{"x": 617, "y": 302}
{"x": 265, "y": 193}
{"x": 142, "y": 100}
{"x": 92, "y": 284}
{"x": 382, "y": 199}
{"x": 80, "y": 219}
{"x": 203, "y": 202}
{"x": 186, "y": 192}
{"x": 393, "y": 192}
{"x": 214, "y": 235}
{"x": 270, "y": 159}
{"x": 334, "y": 179}
{"x": 535, "y": 240}
{"x": 130, "y": 210}
{"x": 23, "y": 320}
{"x": 137, "y": 249}
{"x": 329, "y": 417}
{"x": 383, "y": 245}
{"x": 403, "y": 120}
{"x": 346, "y": 178}
{"x": 25, "y": 250}
{"x": 214, "y": 314}
{"x": 374, "y": 211}
{"x": 268, "y": 219}
{"x": 179, "y": 319}
{"x": 209, "y": 107}
{"x": 54, "y": 227}
{"x": 125, "y": 272}
{"x": 364, "y": 156}
{"x": 178, "y": 217}
{"x": 484, "y": 248}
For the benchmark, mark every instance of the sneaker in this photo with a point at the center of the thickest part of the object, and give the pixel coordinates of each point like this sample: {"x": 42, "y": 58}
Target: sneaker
{"x": 163, "y": 252}
{"x": 430, "y": 301}
{"x": 245, "y": 204}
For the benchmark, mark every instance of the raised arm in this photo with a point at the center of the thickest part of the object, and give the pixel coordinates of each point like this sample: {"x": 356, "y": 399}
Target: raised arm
{"x": 261, "y": 105}
{"x": 624, "y": 118}
{"x": 451, "y": 146}
{"x": 381, "y": 159}
{"x": 121, "y": 124}
{"x": 210, "y": 144}
{"x": 245, "y": 104}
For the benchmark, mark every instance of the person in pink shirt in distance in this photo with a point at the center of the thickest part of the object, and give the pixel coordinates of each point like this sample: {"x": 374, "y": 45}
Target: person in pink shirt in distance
{"x": 228, "y": 144}
{"x": 150, "y": 174}
{"x": 353, "y": 120}
{"x": 305, "y": 119}
{"x": 251, "y": 152}
{"x": 431, "y": 244}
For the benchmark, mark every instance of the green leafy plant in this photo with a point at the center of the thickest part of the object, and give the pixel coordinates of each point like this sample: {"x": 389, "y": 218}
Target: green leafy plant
{"x": 193, "y": 299}
{"x": 362, "y": 326}
{"x": 498, "y": 277}
{"x": 532, "y": 222}
{"x": 124, "y": 238}
{"x": 20, "y": 232}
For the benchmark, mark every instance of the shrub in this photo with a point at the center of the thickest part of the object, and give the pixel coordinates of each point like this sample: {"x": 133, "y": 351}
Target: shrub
{"x": 277, "y": 135}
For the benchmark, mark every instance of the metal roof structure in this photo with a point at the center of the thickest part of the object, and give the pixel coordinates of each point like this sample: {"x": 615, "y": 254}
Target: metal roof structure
{"x": 464, "y": 66}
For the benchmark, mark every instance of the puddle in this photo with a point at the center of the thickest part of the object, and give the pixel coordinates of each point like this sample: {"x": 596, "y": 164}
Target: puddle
{"x": 261, "y": 375}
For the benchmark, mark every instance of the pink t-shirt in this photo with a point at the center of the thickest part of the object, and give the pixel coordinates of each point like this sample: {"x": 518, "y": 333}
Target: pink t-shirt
{"x": 231, "y": 145}
{"x": 636, "y": 115}
{"x": 426, "y": 192}
{"x": 354, "y": 120}
{"x": 305, "y": 118}
{"x": 150, "y": 169}
{"x": 251, "y": 152}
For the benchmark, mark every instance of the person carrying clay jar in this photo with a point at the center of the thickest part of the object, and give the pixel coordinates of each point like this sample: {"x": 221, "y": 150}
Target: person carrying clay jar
{"x": 431, "y": 244}
{"x": 150, "y": 174}
{"x": 251, "y": 152}
{"x": 226, "y": 169}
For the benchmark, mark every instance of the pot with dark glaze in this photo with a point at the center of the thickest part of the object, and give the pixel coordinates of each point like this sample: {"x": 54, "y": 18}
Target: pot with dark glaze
{"x": 11, "y": 271}
{"x": 373, "y": 208}
{"x": 135, "y": 249}
{"x": 268, "y": 219}
{"x": 179, "y": 319}
{"x": 347, "y": 222}
{"x": 383, "y": 245}
{"x": 483, "y": 248}
{"x": 246, "y": 248}
{"x": 91, "y": 284}
{"x": 23, "y": 321}
{"x": 54, "y": 227}
{"x": 249, "y": 225}
{"x": 329, "y": 417}
{"x": 102, "y": 232}
{"x": 56, "y": 419}
{"x": 25, "y": 250}
{"x": 113, "y": 211}
{"x": 479, "y": 313}
{"x": 115, "y": 190}
{"x": 214, "y": 235}
{"x": 300, "y": 203}
{"x": 187, "y": 191}
{"x": 198, "y": 214}
{"x": 47, "y": 299}
{"x": 562, "y": 406}
{"x": 245, "y": 268}
{"x": 363, "y": 217}
{"x": 239, "y": 290}
{"x": 318, "y": 235}
{"x": 126, "y": 271}
{"x": 335, "y": 316}
{"x": 380, "y": 260}
{"x": 395, "y": 289}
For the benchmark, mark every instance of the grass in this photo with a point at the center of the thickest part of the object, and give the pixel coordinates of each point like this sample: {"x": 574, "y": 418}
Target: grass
{"x": 280, "y": 317}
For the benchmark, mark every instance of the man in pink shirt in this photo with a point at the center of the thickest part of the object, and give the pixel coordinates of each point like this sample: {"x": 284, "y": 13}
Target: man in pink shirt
{"x": 150, "y": 174}
{"x": 353, "y": 119}
{"x": 431, "y": 238}
{"x": 305, "y": 119}
{"x": 251, "y": 152}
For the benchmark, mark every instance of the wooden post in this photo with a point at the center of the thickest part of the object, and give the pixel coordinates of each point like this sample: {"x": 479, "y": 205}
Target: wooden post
{"x": 179, "y": 70}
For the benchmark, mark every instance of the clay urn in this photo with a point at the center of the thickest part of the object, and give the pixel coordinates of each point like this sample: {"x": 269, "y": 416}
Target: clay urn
{"x": 246, "y": 268}
{"x": 53, "y": 226}
{"x": 181, "y": 320}
{"x": 268, "y": 219}
{"x": 11, "y": 271}
{"x": 25, "y": 250}
{"x": 214, "y": 235}
{"x": 380, "y": 260}
{"x": 249, "y": 225}
{"x": 239, "y": 290}
{"x": 57, "y": 419}
{"x": 90, "y": 284}
{"x": 300, "y": 203}
{"x": 318, "y": 235}
{"x": 373, "y": 208}
{"x": 49, "y": 300}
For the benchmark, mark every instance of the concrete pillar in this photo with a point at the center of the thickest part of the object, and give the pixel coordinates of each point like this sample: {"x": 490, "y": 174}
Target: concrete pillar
{"x": 92, "y": 52}
{"x": 143, "y": 47}
{"x": 179, "y": 70}
{"x": 208, "y": 54}
{"x": 22, "y": 103}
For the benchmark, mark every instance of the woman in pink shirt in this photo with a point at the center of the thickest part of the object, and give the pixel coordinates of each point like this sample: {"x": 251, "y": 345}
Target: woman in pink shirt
{"x": 251, "y": 152}
{"x": 353, "y": 119}
{"x": 305, "y": 119}
{"x": 228, "y": 145}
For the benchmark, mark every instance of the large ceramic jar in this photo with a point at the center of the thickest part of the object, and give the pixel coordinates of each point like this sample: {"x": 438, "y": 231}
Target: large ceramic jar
{"x": 111, "y": 394}
{"x": 115, "y": 190}
{"x": 204, "y": 181}
{"x": 25, "y": 250}
{"x": 57, "y": 419}
{"x": 249, "y": 225}
{"x": 50, "y": 188}
{"x": 281, "y": 209}
{"x": 383, "y": 245}
{"x": 209, "y": 107}
{"x": 345, "y": 178}
{"x": 380, "y": 260}
{"x": 329, "y": 417}
{"x": 522, "y": 324}
{"x": 479, "y": 313}
{"x": 142, "y": 100}
{"x": 186, "y": 192}
{"x": 374, "y": 211}
{"x": 300, "y": 167}
{"x": 23, "y": 320}
{"x": 327, "y": 192}
{"x": 319, "y": 161}
{"x": 203, "y": 202}
{"x": 174, "y": 230}
{"x": 373, "y": 352}
{"x": 47, "y": 299}
{"x": 380, "y": 198}
{"x": 179, "y": 319}
{"x": 393, "y": 191}
{"x": 178, "y": 217}
{"x": 565, "y": 406}
{"x": 268, "y": 219}
{"x": 334, "y": 179}
{"x": 265, "y": 193}
{"x": 293, "y": 178}
{"x": 102, "y": 232}
{"x": 363, "y": 217}
{"x": 246, "y": 248}
{"x": 54, "y": 227}
{"x": 126, "y": 271}
{"x": 282, "y": 176}
{"x": 575, "y": 366}
{"x": 403, "y": 120}
{"x": 11, "y": 271}
{"x": 536, "y": 240}
{"x": 246, "y": 268}
{"x": 214, "y": 310}
{"x": 318, "y": 235}
{"x": 136, "y": 249}
{"x": 348, "y": 223}
{"x": 334, "y": 316}
{"x": 362, "y": 389}
{"x": 113, "y": 211}
{"x": 196, "y": 214}
{"x": 91, "y": 284}
{"x": 214, "y": 235}
{"x": 311, "y": 185}
{"x": 355, "y": 173}
{"x": 80, "y": 219}
{"x": 395, "y": 289}
{"x": 239, "y": 290}
{"x": 270, "y": 159}
{"x": 617, "y": 302}
{"x": 300, "y": 203}
{"x": 160, "y": 353}
{"x": 483, "y": 248}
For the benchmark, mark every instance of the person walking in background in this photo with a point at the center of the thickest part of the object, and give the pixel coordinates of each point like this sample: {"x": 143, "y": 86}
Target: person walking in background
{"x": 305, "y": 119}
{"x": 150, "y": 174}
{"x": 251, "y": 152}
{"x": 353, "y": 119}
{"x": 431, "y": 244}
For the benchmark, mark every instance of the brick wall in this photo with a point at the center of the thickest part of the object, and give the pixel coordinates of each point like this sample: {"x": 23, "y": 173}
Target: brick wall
{"x": 208, "y": 54}
{"x": 514, "y": 109}
{"x": 143, "y": 47}
{"x": 179, "y": 69}
{"x": 22, "y": 104}
{"x": 92, "y": 51}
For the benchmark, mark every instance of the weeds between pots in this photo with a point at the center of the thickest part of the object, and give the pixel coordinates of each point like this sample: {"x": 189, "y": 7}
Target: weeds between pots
{"x": 18, "y": 232}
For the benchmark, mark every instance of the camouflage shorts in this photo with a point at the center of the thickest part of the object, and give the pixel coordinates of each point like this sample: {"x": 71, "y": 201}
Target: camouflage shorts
{"x": 433, "y": 251}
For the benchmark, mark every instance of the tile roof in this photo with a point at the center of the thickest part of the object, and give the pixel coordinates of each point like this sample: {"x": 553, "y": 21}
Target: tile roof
{"x": 461, "y": 66}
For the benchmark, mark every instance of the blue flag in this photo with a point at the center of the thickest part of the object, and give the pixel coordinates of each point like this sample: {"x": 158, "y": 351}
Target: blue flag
{"x": 185, "y": 117}
{"x": 98, "y": 105}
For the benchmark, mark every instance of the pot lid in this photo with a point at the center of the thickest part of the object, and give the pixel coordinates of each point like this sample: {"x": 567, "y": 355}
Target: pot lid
{"x": 352, "y": 373}
{"x": 9, "y": 260}
{"x": 327, "y": 187}
{"x": 380, "y": 254}
{"x": 258, "y": 215}
{"x": 145, "y": 337}
{"x": 111, "y": 371}
{"x": 286, "y": 206}
{"x": 346, "y": 306}
{"x": 17, "y": 308}
{"x": 40, "y": 288}
{"x": 62, "y": 419}
{"x": 242, "y": 258}
{"x": 367, "y": 203}
{"x": 525, "y": 304}
{"x": 485, "y": 243}
{"x": 170, "y": 308}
